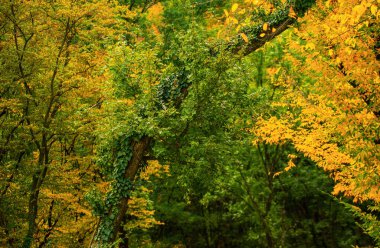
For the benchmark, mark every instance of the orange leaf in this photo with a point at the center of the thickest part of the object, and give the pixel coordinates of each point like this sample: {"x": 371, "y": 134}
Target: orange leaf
{"x": 292, "y": 14}
{"x": 244, "y": 36}
{"x": 265, "y": 26}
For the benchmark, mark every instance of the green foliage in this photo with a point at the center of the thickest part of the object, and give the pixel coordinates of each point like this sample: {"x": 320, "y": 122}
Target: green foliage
{"x": 302, "y": 6}
{"x": 222, "y": 187}
{"x": 368, "y": 219}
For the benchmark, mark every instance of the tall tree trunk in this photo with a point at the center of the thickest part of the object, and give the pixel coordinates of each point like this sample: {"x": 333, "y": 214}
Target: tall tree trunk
{"x": 138, "y": 150}
{"x": 33, "y": 210}
{"x": 38, "y": 178}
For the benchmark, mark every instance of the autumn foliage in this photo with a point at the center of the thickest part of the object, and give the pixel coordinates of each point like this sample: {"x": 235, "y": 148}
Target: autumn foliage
{"x": 189, "y": 123}
{"x": 334, "y": 118}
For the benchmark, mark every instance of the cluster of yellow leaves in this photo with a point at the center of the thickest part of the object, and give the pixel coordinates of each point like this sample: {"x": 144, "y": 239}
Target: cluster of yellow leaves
{"x": 231, "y": 22}
{"x": 291, "y": 163}
{"x": 139, "y": 207}
{"x": 155, "y": 12}
{"x": 267, "y": 6}
{"x": 273, "y": 131}
{"x": 155, "y": 17}
{"x": 239, "y": 16}
{"x": 66, "y": 186}
{"x": 71, "y": 200}
{"x": 154, "y": 168}
{"x": 350, "y": 78}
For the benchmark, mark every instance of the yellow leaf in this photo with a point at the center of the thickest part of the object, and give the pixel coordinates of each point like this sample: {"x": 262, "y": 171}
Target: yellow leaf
{"x": 357, "y": 12}
{"x": 265, "y": 26}
{"x": 245, "y": 38}
{"x": 262, "y": 35}
{"x": 277, "y": 174}
{"x": 234, "y": 20}
{"x": 238, "y": 28}
{"x": 310, "y": 46}
{"x": 234, "y": 7}
{"x": 272, "y": 71}
{"x": 225, "y": 12}
{"x": 290, "y": 165}
{"x": 218, "y": 35}
{"x": 292, "y": 156}
{"x": 273, "y": 30}
{"x": 373, "y": 9}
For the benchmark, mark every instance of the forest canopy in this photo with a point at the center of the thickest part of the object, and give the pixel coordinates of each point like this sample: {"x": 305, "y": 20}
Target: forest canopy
{"x": 190, "y": 123}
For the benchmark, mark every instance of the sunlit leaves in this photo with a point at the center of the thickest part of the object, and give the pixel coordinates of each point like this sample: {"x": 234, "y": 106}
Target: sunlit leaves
{"x": 140, "y": 205}
{"x": 337, "y": 121}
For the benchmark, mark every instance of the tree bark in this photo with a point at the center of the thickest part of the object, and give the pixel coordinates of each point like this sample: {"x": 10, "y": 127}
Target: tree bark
{"x": 139, "y": 148}
{"x": 38, "y": 178}
{"x": 37, "y": 181}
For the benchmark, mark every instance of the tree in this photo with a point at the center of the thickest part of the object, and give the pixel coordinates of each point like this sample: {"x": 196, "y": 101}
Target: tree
{"x": 51, "y": 55}
{"x": 96, "y": 96}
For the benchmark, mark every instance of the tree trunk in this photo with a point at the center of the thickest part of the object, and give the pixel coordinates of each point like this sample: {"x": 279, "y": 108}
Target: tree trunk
{"x": 38, "y": 178}
{"x": 138, "y": 150}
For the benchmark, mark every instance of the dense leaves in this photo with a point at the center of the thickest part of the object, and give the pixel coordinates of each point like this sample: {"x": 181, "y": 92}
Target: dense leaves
{"x": 189, "y": 123}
